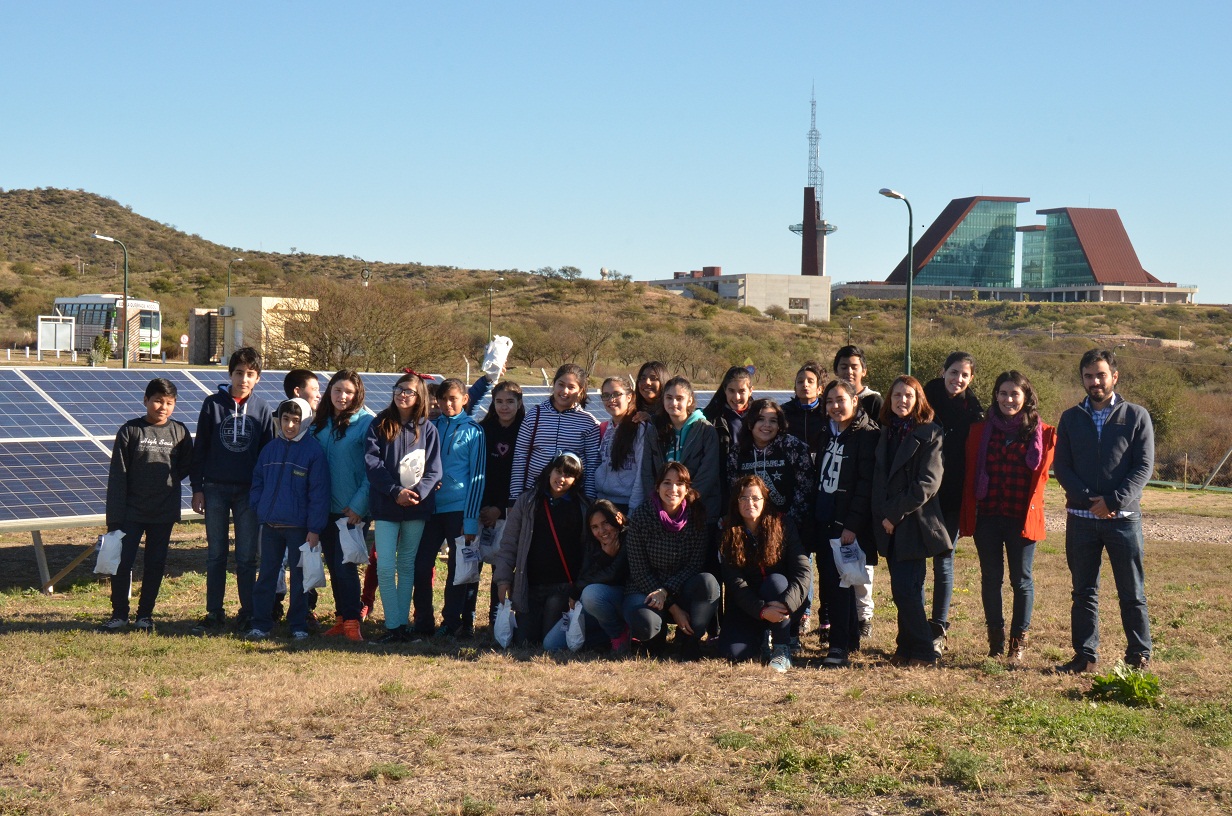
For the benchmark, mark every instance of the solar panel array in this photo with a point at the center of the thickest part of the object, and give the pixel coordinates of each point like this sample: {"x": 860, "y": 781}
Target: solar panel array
{"x": 57, "y": 427}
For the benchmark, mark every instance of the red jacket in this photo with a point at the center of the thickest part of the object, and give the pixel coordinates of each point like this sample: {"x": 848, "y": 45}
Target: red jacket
{"x": 1033, "y": 529}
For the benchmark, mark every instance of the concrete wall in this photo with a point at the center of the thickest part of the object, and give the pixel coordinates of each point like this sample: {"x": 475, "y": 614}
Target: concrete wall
{"x": 261, "y": 322}
{"x": 764, "y": 291}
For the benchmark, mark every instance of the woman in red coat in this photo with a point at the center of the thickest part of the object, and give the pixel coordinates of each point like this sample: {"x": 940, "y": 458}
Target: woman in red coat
{"x": 1008, "y": 456}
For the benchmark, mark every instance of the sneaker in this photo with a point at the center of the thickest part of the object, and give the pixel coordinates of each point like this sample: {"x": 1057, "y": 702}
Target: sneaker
{"x": 444, "y": 630}
{"x": 806, "y": 624}
{"x": 145, "y": 624}
{"x": 781, "y": 661}
{"x": 393, "y": 637}
{"x": 1078, "y": 665}
{"x": 211, "y": 624}
{"x": 350, "y": 631}
{"x": 300, "y": 634}
{"x": 257, "y": 634}
{"x": 114, "y": 625}
{"x": 866, "y": 629}
{"x": 836, "y": 658}
{"x": 1139, "y": 661}
{"x": 339, "y": 628}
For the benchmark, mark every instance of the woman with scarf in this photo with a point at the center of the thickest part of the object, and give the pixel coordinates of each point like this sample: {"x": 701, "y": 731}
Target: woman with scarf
{"x": 907, "y": 517}
{"x": 666, "y": 544}
{"x": 766, "y": 572}
{"x": 1008, "y": 456}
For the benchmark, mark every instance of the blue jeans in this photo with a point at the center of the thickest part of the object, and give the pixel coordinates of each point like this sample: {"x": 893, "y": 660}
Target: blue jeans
{"x": 157, "y": 539}
{"x": 943, "y": 575}
{"x": 224, "y": 502}
{"x": 994, "y": 536}
{"x": 742, "y": 634}
{"x": 439, "y": 529}
{"x": 397, "y": 543}
{"x": 1085, "y": 541}
{"x": 278, "y": 543}
{"x": 915, "y": 636}
{"x": 343, "y": 578}
{"x": 604, "y": 604}
{"x": 699, "y": 597}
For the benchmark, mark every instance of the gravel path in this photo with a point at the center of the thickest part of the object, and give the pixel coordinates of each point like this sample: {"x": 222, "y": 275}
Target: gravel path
{"x": 1172, "y": 527}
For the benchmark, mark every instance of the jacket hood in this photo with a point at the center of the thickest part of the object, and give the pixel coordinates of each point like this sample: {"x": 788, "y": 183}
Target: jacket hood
{"x": 305, "y": 417}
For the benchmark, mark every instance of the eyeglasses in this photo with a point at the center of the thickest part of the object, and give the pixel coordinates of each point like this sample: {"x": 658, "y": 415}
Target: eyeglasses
{"x": 609, "y": 396}
{"x": 751, "y": 500}
{"x": 399, "y": 391}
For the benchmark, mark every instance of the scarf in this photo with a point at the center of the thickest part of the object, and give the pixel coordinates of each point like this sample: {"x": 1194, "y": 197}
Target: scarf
{"x": 1009, "y": 427}
{"x": 672, "y": 525}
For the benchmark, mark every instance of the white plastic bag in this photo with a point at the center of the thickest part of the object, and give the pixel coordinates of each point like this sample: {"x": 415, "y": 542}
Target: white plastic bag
{"x": 280, "y": 587}
{"x": 411, "y": 468}
{"x": 495, "y": 355}
{"x": 313, "y": 565}
{"x": 351, "y": 539}
{"x": 489, "y": 541}
{"x": 109, "y": 549}
{"x": 849, "y": 558}
{"x": 575, "y": 635}
{"x": 505, "y": 623}
{"x": 468, "y": 564}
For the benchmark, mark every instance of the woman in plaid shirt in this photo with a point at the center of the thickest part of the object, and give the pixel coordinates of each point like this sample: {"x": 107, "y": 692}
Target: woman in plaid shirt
{"x": 1008, "y": 456}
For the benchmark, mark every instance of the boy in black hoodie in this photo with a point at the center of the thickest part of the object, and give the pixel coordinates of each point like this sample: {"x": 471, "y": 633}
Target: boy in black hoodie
{"x": 233, "y": 427}
{"x": 150, "y": 459}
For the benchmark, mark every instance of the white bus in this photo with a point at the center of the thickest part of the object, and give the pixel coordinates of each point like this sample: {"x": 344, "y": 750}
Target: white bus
{"x": 100, "y": 316}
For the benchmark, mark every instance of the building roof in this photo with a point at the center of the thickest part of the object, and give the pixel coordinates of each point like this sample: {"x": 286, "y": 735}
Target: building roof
{"x": 939, "y": 230}
{"x": 1104, "y": 241}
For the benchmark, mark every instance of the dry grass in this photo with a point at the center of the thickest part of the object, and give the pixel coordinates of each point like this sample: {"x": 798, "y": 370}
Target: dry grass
{"x": 171, "y": 723}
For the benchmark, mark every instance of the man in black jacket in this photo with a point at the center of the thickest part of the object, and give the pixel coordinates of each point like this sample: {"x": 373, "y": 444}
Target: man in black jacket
{"x": 1105, "y": 455}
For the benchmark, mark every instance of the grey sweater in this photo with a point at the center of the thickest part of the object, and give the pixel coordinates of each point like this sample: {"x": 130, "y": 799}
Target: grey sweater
{"x": 1115, "y": 464}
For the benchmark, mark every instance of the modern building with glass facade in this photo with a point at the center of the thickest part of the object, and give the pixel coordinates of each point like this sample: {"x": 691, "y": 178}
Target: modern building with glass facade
{"x": 970, "y": 244}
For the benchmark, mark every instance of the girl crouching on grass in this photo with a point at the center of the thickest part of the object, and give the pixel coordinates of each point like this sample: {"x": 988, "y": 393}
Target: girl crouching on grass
{"x": 541, "y": 549}
{"x": 403, "y": 458}
{"x": 767, "y": 574}
{"x": 601, "y": 587}
{"x": 667, "y": 546}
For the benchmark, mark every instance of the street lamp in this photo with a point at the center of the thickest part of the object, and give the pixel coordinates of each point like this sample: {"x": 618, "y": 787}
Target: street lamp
{"x": 857, "y": 317}
{"x": 490, "y": 291}
{"x": 888, "y": 193}
{"x": 233, "y": 263}
{"x": 121, "y": 243}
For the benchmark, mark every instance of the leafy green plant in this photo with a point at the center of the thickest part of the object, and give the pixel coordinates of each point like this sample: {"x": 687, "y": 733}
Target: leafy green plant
{"x": 1128, "y": 686}
{"x": 390, "y": 770}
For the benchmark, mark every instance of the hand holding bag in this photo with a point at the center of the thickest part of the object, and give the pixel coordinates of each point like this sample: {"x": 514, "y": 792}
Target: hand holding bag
{"x": 851, "y": 563}
{"x": 466, "y": 567}
{"x": 505, "y": 623}
{"x": 575, "y": 635}
{"x": 351, "y": 539}
{"x": 109, "y": 549}
{"x": 313, "y": 565}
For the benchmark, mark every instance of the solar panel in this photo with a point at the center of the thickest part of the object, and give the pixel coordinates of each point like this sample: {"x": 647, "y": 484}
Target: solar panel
{"x": 103, "y": 404}
{"x": 26, "y": 414}
{"x": 52, "y": 480}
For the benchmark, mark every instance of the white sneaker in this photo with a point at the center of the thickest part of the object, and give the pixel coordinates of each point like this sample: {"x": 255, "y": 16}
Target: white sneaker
{"x": 300, "y": 634}
{"x": 781, "y": 661}
{"x": 145, "y": 624}
{"x": 115, "y": 625}
{"x": 256, "y": 634}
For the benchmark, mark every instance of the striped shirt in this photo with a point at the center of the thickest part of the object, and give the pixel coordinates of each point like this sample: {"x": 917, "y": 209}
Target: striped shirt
{"x": 544, "y": 434}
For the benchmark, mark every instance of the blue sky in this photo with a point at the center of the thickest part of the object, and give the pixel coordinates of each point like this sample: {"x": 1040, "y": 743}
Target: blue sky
{"x": 648, "y": 138}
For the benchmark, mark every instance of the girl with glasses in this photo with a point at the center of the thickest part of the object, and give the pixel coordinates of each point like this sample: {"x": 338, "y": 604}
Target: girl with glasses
{"x": 619, "y": 445}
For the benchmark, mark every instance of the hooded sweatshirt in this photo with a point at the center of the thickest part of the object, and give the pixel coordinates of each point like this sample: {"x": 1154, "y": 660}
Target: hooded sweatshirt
{"x": 404, "y": 461}
{"x": 290, "y": 486}
{"x": 786, "y": 467}
{"x": 348, "y": 476}
{"x": 229, "y": 438}
{"x": 463, "y": 468}
{"x": 696, "y": 446}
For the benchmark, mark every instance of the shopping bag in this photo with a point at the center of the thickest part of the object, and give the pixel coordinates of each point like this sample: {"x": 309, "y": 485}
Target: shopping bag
{"x": 575, "y": 635}
{"x": 505, "y": 624}
{"x": 109, "y": 548}
{"x": 311, "y": 563}
{"x": 495, "y": 355}
{"x": 466, "y": 567}
{"x": 411, "y": 468}
{"x": 489, "y": 541}
{"x": 850, "y": 561}
{"x": 351, "y": 539}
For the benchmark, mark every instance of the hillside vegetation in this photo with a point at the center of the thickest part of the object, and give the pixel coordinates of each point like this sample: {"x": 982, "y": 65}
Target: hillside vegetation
{"x": 436, "y": 318}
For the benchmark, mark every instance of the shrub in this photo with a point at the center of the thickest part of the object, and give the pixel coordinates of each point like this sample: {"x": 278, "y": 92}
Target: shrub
{"x": 1132, "y": 687}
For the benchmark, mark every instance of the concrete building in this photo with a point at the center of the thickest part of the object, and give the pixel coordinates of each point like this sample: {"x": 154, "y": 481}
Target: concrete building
{"x": 803, "y": 297}
{"x": 270, "y": 325}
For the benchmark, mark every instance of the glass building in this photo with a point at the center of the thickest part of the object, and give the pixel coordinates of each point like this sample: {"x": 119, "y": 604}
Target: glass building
{"x": 978, "y": 252}
{"x": 1034, "y": 256}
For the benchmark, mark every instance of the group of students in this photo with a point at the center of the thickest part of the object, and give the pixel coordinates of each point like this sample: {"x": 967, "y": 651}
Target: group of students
{"x": 663, "y": 516}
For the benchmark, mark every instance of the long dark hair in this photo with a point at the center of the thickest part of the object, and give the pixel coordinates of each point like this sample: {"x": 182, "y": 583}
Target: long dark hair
{"x": 1030, "y": 401}
{"x": 389, "y": 422}
{"x": 660, "y": 371}
{"x": 490, "y": 420}
{"x": 625, "y": 430}
{"x": 719, "y": 401}
{"x": 327, "y": 411}
{"x": 768, "y": 532}
{"x": 693, "y": 499}
{"x": 582, "y": 378}
{"x": 753, "y": 414}
{"x": 662, "y": 422}
{"x": 570, "y": 465}
{"x": 609, "y": 511}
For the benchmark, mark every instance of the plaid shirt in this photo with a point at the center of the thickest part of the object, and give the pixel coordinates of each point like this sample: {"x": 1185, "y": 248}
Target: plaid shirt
{"x": 1009, "y": 478}
{"x": 1099, "y": 418}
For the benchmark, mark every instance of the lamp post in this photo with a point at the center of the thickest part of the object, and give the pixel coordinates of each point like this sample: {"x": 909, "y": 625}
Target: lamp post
{"x": 888, "y": 193}
{"x": 490, "y": 291}
{"x": 233, "y": 263}
{"x": 121, "y": 243}
{"x": 849, "y": 322}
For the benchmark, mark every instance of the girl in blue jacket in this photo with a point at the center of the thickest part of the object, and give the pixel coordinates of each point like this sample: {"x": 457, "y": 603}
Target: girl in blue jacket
{"x": 341, "y": 428}
{"x": 403, "y": 458}
{"x": 463, "y": 463}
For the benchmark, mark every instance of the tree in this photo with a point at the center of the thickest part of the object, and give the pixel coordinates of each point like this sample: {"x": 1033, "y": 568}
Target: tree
{"x": 569, "y": 273}
{"x": 776, "y": 312}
